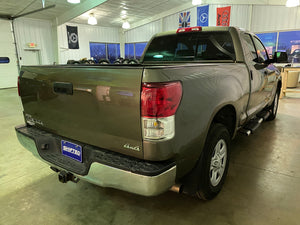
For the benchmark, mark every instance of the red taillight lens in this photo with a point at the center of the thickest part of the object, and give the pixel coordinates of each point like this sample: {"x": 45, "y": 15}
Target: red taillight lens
{"x": 19, "y": 86}
{"x": 160, "y": 99}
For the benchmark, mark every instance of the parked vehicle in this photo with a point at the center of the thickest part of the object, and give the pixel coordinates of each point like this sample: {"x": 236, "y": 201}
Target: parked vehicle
{"x": 294, "y": 57}
{"x": 165, "y": 122}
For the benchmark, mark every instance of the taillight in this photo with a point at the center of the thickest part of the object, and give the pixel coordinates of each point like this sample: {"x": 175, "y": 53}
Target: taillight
{"x": 159, "y": 103}
{"x": 19, "y": 86}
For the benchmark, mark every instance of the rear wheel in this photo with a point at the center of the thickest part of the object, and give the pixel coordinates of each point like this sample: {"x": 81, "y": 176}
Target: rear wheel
{"x": 214, "y": 162}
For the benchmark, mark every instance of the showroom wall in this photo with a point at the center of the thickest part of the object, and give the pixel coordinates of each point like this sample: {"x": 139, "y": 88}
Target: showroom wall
{"x": 86, "y": 34}
{"x": 275, "y": 18}
{"x": 263, "y": 18}
{"x": 38, "y": 32}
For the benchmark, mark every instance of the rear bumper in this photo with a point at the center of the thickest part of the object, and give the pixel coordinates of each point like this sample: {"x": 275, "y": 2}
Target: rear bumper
{"x": 101, "y": 167}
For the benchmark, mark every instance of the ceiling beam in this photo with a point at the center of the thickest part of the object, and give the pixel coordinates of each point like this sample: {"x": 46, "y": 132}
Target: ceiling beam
{"x": 205, "y": 2}
{"x": 77, "y": 11}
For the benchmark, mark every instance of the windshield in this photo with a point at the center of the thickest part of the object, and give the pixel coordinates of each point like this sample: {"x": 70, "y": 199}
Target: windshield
{"x": 191, "y": 46}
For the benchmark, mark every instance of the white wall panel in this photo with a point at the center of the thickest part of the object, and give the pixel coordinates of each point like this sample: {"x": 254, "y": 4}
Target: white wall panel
{"x": 273, "y": 18}
{"x": 86, "y": 34}
{"x": 36, "y": 31}
{"x": 8, "y": 71}
{"x": 239, "y": 17}
{"x": 143, "y": 33}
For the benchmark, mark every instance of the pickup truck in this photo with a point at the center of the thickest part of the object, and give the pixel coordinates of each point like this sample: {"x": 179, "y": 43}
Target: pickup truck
{"x": 165, "y": 123}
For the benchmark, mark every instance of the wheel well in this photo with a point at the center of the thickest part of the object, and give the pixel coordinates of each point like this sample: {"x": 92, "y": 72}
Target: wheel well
{"x": 227, "y": 117}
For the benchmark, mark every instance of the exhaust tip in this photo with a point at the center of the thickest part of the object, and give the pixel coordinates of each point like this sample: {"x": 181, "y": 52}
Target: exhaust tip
{"x": 177, "y": 188}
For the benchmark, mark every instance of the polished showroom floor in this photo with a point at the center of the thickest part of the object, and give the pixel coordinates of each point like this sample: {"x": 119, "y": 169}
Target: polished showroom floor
{"x": 262, "y": 186}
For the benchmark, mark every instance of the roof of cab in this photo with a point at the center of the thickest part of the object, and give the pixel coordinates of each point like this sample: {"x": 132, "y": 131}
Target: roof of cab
{"x": 212, "y": 28}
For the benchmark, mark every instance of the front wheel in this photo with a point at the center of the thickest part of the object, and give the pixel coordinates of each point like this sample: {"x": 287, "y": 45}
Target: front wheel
{"x": 214, "y": 162}
{"x": 273, "y": 108}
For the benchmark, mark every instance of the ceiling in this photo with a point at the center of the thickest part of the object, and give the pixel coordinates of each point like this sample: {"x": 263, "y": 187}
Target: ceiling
{"x": 111, "y": 13}
{"x": 16, "y": 7}
{"x": 108, "y": 14}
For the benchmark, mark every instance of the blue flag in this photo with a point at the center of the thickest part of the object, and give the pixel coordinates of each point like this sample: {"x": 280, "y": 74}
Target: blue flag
{"x": 202, "y": 16}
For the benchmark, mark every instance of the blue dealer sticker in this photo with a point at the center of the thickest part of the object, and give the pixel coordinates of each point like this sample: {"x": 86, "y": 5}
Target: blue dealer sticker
{"x": 71, "y": 150}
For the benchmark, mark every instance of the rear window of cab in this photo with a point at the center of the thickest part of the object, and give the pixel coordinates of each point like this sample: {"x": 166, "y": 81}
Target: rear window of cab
{"x": 191, "y": 46}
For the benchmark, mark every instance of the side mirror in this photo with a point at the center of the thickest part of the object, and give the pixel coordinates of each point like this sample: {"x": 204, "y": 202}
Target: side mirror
{"x": 280, "y": 57}
{"x": 260, "y": 64}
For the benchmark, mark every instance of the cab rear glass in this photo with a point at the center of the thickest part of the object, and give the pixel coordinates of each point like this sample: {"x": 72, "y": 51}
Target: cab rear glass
{"x": 191, "y": 46}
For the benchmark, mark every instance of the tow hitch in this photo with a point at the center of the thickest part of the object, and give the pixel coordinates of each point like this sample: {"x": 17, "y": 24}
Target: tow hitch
{"x": 64, "y": 176}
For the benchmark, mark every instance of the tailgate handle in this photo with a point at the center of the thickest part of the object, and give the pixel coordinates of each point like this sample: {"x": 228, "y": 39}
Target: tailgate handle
{"x": 63, "y": 88}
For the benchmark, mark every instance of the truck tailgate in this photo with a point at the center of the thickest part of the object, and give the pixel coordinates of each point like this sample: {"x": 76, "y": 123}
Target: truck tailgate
{"x": 97, "y": 105}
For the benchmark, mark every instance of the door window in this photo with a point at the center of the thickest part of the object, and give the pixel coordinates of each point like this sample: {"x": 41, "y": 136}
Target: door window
{"x": 250, "y": 46}
{"x": 260, "y": 50}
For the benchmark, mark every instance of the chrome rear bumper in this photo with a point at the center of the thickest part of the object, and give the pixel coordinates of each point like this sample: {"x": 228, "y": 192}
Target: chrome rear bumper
{"x": 107, "y": 176}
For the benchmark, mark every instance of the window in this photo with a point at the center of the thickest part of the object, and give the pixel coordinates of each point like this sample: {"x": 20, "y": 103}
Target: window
{"x": 134, "y": 50}
{"x": 4, "y": 60}
{"x": 129, "y": 51}
{"x": 287, "y": 41}
{"x": 290, "y": 43}
{"x": 262, "y": 54}
{"x": 104, "y": 51}
{"x": 250, "y": 45}
{"x": 191, "y": 46}
{"x": 139, "y": 49}
{"x": 113, "y": 51}
{"x": 269, "y": 40}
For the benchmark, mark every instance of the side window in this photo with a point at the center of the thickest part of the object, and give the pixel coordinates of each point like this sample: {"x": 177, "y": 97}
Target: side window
{"x": 250, "y": 45}
{"x": 261, "y": 51}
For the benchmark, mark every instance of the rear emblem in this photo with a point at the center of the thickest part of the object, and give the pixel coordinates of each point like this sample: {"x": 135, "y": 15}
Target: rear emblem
{"x": 135, "y": 148}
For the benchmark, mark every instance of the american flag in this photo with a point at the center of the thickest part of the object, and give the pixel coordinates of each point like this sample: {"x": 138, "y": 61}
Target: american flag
{"x": 185, "y": 19}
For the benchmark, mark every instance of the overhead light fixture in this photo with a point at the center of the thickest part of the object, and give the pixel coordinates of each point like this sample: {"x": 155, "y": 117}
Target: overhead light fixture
{"x": 74, "y": 1}
{"x": 292, "y": 3}
{"x": 196, "y": 2}
{"x": 126, "y": 25}
{"x": 92, "y": 20}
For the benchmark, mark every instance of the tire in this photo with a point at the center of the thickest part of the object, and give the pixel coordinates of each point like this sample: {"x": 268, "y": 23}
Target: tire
{"x": 118, "y": 61}
{"x": 214, "y": 162}
{"x": 70, "y": 62}
{"x": 273, "y": 108}
{"x": 104, "y": 61}
{"x": 133, "y": 61}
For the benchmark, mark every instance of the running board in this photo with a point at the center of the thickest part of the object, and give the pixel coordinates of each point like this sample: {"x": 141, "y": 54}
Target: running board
{"x": 253, "y": 124}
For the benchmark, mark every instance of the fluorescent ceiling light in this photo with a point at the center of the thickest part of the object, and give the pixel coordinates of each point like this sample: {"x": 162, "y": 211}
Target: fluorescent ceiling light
{"x": 126, "y": 25}
{"x": 196, "y": 2}
{"x": 292, "y": 3}
{"x": 74, "y": 1}
{"x": 92, "y": 20}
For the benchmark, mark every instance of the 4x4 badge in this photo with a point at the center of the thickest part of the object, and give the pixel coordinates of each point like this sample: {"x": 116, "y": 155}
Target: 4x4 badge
{"x": 135, "y": 148}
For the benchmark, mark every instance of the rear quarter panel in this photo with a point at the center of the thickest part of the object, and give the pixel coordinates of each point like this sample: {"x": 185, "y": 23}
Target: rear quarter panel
{"x": 206, "y": 89}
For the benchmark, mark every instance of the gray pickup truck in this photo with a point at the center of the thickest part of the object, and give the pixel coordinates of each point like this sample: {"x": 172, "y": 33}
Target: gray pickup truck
{"x": 165, "y": 123}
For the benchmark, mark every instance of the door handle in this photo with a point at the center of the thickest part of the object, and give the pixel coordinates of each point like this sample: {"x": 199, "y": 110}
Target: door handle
{"x": 251, "y": 75}
{"x": 63, "y": 88}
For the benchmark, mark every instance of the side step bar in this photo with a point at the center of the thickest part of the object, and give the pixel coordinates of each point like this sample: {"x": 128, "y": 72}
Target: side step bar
{"x": 253, "y": 124}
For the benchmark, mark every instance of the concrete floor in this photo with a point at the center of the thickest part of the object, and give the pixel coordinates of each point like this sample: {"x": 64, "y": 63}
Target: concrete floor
{"x": 262, "y": 186}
